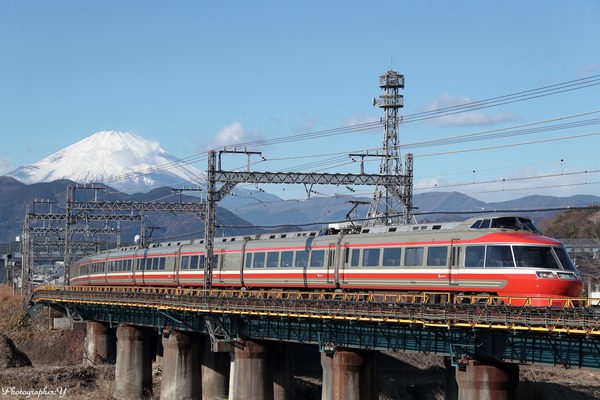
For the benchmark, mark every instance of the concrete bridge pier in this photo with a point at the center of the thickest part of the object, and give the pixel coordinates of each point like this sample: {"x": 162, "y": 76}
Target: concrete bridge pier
{"x": 100, "y": 344}
{"x": 251, "y": 377}
{"x": 348, "y": 375}
{"x": 477, "y": 381}
{"x": 133, "y": 370}
{"x": 282, "y": 366}
{"x": 181, "y": 377}
{"x": 216, "y": 368}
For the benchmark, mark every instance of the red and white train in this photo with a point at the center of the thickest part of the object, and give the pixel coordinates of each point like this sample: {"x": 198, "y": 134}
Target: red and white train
{"x": 500, "y": 255}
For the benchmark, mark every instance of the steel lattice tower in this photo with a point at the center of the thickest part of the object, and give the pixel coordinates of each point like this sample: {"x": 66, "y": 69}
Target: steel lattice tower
{"x": 392, "y": 204}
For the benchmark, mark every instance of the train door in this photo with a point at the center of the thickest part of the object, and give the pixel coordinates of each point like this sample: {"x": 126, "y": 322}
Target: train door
{"x": 453, "y": 265}
{"x": 177, "y": 267}
{"x": 135, "y": 268}
{"x": 218, "y": 265}
{"x": 343, "y": 260}
{"x": 105, "y": 271}
{"x": 140, "y": 278}
{"x": 331, "y": 264}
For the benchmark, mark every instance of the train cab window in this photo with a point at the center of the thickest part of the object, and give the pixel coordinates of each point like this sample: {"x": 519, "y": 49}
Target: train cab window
{"x": 371, "y": 257}
{"x": 301, "y": 259}
{"x": 317, "y": 258}
{"x": 499, "y": 256}
{"x": 287, "y": 258}
{"x": 355, "y": 257}
{"x": 474, "y": 256}
{"x": 259, "y": 260}
{"x": 413, "y": 256}
{"x": 564, "y": 259}
{"x": 273, "y": 259}
{"x": 391, "y": 257}
{"x": 535, "y": 257}
{"x": 437, "y": 256}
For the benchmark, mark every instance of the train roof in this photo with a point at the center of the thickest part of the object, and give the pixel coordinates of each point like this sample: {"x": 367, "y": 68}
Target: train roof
{"x": 488, "y": 222}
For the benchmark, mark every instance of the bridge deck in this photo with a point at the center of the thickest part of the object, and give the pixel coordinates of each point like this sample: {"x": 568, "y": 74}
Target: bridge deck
{"x": 475, "y": 326}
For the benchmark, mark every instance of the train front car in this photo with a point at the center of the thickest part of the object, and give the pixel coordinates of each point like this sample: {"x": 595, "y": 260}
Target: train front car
{"x": 533, "y": 269}
{"x": 498, "y": 256}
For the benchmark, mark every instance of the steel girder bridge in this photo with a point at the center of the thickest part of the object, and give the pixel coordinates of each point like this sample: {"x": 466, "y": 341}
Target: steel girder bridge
{"x": 470, "y": 327}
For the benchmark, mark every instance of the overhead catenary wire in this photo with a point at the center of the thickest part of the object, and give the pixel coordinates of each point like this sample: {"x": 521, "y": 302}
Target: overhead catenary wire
{"x": 472, "y": 106}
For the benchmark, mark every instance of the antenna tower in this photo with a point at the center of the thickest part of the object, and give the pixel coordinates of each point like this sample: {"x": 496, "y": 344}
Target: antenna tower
{"x": 392, "y": 204}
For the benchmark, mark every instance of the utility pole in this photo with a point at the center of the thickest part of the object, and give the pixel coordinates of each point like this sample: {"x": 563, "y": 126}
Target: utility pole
{"x": 392, "y": 204}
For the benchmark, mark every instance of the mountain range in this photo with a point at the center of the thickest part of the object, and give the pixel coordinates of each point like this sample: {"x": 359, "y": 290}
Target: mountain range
{"x": 139, "y": 170}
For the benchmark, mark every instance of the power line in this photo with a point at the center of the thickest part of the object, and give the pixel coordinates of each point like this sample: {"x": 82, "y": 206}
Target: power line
{"x": 338, "y": 160}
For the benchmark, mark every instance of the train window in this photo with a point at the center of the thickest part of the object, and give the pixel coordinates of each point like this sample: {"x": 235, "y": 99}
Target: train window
{"x": 355, "y": 257}
{"x": 161, "y": 263}
{"x": 437, "y": 256}
{"x": 273, "y": 259}
{"x": 499, "y": 256}
{"x": 476, "y": 224}
{"x": 128, "y": 265}
{"x": 391, "y": 257}
{"x": 194, "y": 262}
{"x": 185, "y": 262}
{"x": 474, "y": 256}
{"x": 248, "y": 260}
{"x": 413, "y": 256}
{"x": 259, "y": 260}
{"x": 155, "y": 263}
{"x": 215, "y": 258}
{"x": 535, "y": 257}
{"x": 485, "y": 224}
{"x": 317, "y": 258}
{"x": 371, "y": 257}
{"x": 287, "y": 257}
{"x": 301, "y": 258}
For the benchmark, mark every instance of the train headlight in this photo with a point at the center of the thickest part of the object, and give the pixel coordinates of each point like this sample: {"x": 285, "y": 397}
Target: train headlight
{"x": 545, "y": 274}
{"x": 566, "y": 276}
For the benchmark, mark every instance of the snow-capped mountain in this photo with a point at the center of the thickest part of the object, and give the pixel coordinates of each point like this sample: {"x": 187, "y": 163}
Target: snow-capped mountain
{"x": 122, "y": 160}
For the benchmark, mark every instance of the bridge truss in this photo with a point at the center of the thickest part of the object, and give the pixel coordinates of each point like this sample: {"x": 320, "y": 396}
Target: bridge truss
{"x": 465, "y": 328}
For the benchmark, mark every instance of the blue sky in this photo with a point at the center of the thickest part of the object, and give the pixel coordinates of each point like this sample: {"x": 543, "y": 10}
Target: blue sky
{"x": 194, "y": 75}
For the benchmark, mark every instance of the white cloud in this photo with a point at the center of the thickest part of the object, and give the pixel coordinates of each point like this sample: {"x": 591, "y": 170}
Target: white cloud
{"x": 360, "y": 120}
{"x": 306, "y": 124}
{"x": 232, "y": 135}
{"x": 587, "y": 69}
{"x": 455, "y": 118}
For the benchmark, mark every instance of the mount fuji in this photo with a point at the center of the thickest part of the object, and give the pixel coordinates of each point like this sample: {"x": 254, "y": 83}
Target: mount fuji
{"x": 121, "y": 160}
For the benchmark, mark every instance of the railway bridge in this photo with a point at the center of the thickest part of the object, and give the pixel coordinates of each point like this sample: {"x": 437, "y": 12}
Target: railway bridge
{"x": 235, "y": 343}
